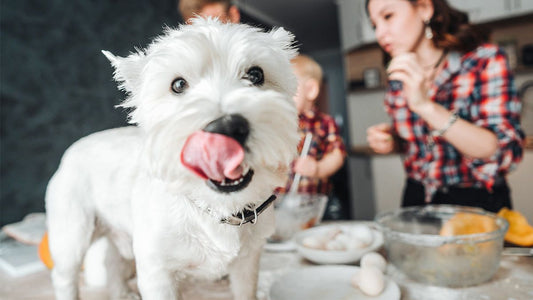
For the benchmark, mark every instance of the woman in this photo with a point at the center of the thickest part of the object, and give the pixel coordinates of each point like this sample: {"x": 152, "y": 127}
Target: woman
{"x": 453, "y": 104}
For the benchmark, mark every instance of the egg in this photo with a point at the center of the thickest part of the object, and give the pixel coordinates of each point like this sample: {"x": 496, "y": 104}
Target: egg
{"x": 374, "y": 259}
{"x": 332, "y": 233}
{"x": 343, "y": 238}
{"x": 355, "y": 244}
{"x": 315, "y": 242}
{"x": 371, "y": 281}
{"x": 363, "y": 234}
{"x": 355, "y": 280}
{"x": 335, "y": 245}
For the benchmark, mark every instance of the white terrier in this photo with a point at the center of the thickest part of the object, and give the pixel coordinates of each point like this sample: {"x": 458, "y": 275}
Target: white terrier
{"x": 216, "y": 131}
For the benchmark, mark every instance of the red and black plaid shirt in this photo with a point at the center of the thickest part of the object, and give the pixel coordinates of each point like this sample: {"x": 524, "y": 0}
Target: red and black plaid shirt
{"x": 326, "y": 138}
{"x": 480, "y": 87}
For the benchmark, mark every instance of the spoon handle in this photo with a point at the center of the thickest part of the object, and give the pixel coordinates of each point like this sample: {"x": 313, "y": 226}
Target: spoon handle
{"x": 305, "y": 151}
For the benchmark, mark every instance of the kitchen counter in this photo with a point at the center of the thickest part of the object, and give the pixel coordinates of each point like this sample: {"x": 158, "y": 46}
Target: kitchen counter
{"x": 513, "y": 280}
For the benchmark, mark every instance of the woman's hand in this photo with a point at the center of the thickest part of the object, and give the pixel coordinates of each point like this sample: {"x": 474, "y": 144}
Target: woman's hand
{"x": 380, "y": 139}
{"x": 406, "y": 68}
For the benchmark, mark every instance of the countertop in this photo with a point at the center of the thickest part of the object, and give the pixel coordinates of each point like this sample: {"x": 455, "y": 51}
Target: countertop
{"x": 513, "y": 281}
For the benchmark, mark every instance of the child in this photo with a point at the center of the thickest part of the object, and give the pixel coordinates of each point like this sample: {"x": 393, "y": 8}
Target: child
{"x": 327, "y": 151}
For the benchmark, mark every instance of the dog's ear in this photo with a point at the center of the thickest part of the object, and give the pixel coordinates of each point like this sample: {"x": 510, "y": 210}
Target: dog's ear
{"x": 127, "y": 69}
{"x": 285, "y": 40}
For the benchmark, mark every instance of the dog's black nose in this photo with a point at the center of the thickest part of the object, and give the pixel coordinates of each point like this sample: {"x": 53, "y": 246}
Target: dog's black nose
{"x": 234, "y": 126}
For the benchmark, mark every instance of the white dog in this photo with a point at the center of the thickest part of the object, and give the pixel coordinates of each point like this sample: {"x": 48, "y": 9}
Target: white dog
{"x": 186, "y": 192}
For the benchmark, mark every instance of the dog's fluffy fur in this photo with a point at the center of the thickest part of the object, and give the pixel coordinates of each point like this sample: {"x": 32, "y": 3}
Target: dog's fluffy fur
{"x": 129, "y": 185}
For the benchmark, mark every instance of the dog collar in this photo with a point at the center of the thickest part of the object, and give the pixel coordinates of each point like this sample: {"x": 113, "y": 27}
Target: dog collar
{"x": 247, "y": 215}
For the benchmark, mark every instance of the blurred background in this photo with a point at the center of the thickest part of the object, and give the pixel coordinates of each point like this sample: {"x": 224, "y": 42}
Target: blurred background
{"x": 56, "y": 86}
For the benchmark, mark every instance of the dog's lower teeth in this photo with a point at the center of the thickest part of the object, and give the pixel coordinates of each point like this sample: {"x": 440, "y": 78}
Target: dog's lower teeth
{"x": 233, "y": 182}
{"x": 246, "y": 169}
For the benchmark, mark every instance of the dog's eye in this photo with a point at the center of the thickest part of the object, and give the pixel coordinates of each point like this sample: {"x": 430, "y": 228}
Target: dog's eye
{"x": 255, "y": 76}
{"x": 179, "y": 85}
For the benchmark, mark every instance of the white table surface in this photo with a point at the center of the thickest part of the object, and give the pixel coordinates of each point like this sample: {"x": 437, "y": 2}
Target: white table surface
{"x": 513, "y": 281}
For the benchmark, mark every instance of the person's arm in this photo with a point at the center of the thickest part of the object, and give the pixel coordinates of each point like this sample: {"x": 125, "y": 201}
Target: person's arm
{"x": 469, "y": 139}
{"x": 324, "y": 168}
{"x": 333, "y": 157}
{"x": 330, "y": 164}
{"x": 382, "y": 140}
{"x": 496, "y": 108}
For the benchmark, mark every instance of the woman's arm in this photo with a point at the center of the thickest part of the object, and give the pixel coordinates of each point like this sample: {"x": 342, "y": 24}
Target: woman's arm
{"x": 469, "y": 139}
{"x": 380, "y": 139}
{"x": 383, "y": 140}
{"x": 495, "y": 121}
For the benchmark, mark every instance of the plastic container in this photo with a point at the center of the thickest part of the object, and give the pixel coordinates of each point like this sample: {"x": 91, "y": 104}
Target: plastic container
{"x": 415, "y": 245}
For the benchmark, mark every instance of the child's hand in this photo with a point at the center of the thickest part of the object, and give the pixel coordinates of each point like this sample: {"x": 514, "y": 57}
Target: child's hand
{"x": 306, "y": 166}
{"x": 380, "y": 139}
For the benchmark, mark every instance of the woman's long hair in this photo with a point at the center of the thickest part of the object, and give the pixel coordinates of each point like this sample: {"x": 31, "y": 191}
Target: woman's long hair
{"x": 452, "y": 29}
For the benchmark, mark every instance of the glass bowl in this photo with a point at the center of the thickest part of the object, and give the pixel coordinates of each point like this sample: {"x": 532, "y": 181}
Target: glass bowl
{"x": 444, "y": 245}
{"x": 296, "y": 212}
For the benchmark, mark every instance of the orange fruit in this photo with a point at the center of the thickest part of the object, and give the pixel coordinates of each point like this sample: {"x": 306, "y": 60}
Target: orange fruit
{"x": 520, "y": 232}
{"x": 44, "y": 252}
{"x": 463, "y": 223}
{"x": 468, "y": 223}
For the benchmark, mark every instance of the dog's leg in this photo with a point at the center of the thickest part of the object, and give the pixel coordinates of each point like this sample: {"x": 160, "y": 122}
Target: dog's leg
{"x": 119, "y": 271}
{"x": 155, "y": 283}
{"x": 68, "y": 244}
{"x": 243, "y": 273}
{"x": 155, "y": 279}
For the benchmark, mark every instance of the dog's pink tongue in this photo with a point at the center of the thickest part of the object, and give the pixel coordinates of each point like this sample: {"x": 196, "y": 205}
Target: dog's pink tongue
{"x": 212, "y": 155}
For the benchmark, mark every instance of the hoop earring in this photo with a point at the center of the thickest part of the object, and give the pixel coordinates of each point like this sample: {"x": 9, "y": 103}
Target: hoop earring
{"x": 428, "y": 32}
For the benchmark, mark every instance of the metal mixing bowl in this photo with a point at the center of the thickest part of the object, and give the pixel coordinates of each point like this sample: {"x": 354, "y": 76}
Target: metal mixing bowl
{"x": 415, "y": 247}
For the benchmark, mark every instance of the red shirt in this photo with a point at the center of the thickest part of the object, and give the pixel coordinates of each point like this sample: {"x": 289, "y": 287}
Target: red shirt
{"x": 480, "y": 87}
{"x": 326, "y": 138}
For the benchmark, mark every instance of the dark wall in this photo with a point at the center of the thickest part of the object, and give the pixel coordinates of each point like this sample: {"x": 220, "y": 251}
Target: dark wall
{"x": 56, "y": 86}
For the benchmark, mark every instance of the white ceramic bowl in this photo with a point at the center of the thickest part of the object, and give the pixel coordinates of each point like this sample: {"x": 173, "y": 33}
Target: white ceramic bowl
{"x": 335, "y": 256}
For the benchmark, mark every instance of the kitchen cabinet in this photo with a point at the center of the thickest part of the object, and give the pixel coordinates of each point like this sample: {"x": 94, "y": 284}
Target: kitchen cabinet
{"x": 365, "y": 108}
{"x": 376, "y": 181}
{"x": 356, "y": 29}
{"x": 388, "y": 181}
{"x": 525, "y": 5}
{"x": 481, "y": 11}
{"x": 361, "y": 185}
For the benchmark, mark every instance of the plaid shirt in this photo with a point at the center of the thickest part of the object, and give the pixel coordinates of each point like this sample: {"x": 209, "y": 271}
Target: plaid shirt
{"x": 326, "y": 138}
{"x": 480, "y": 88}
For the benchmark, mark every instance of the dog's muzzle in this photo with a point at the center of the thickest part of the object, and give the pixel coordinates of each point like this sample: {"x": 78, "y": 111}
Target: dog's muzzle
{"x": 217, "y": 154}
{"x": 235, "y": 126}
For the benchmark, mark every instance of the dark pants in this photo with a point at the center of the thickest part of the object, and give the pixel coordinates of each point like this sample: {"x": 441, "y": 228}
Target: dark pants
{"x": 414, "y": 195}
